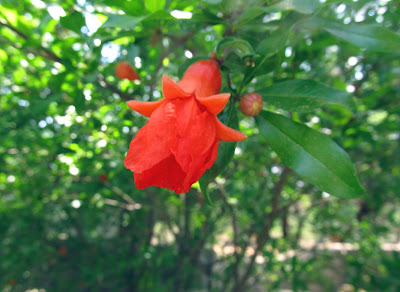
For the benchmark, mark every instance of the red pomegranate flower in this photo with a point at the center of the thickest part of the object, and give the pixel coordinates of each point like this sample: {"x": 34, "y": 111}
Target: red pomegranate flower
{"x": 180, "y": 140}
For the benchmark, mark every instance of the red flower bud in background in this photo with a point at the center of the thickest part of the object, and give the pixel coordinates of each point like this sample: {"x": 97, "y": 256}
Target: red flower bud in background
{"x": 251, "y": 104}
{"x": 180, "y": 140}
{"x": 62, "y": 251}
{"x": 124, "y": 70}
{"x": 103, "y": 178}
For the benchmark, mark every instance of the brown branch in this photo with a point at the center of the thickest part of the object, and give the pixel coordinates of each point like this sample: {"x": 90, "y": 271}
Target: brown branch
{"x": 125, "y": 206}
{"x": 43, "y": 52}
{"x": 263, "y": 237}
{"x": 107, "y": 85}
{"x": 16, "y": 31}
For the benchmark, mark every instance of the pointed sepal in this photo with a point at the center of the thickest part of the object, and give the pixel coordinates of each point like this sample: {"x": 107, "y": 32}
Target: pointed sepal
{"x": 227, "y": 134}
{"x": 171, "y": 90}
{"x": 145, "y": 108}
{"x": 214, "y": 103}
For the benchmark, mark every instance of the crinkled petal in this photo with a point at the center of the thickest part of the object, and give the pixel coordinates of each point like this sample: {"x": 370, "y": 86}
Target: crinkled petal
{"x": 150, "y": 144}
{"x": 214, "y": 103}
{"x": 144, "y": 108}
{"x": 166, "y": 174}
{"x": 201, "y": 163}
{"x": 225, "y": 133}
{"x": 171, "y": 90}
{"x": 191, "y": 131}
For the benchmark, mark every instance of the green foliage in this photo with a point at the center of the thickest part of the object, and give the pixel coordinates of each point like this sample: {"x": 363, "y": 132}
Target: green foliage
{"x": 70, "y": 216}
{"x": 311, "y": 154}
{"x": 304, "y": 95}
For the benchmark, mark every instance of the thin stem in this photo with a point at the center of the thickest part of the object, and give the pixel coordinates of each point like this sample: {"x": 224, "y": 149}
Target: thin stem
{"x": 107, "y": 85}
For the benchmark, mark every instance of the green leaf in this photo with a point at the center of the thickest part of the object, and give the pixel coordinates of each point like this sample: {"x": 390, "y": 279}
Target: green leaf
{"x": 73, "y": 21}
{"x": 159, "y": 15}
{"x": 302, "y": 6}
{"x": 304, "y": 95}
{"x": 271, "y": 45}
{"x": 204, "y": 181}
{"x": 370, "y": 36}
{"x": 237, "y": 53}
{"x": 212, "y": 1}
{"x": 237, "y": 46}
{"x": 154, "y": 5}
{"x": 313, "y": 155}
{"x": 122, "y": 21}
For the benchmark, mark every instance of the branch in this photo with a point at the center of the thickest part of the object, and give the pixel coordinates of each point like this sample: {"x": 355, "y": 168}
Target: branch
{"x": 16, "y": 31}
{"x": 125, "y": 206}
{"x": 46, "y": 53}
{"x": 277, "y": 189}
{"x": 107, "y": 85}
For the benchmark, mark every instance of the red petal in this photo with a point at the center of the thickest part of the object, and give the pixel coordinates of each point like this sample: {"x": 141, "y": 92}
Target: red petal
{"x": 201, "y": 164}
{"x": 166, "y": 174}
{"x": 191, "y": 132}
{"x": 214, "y": 103}
{"x": 225, "y": 133}
{"x": 172, "y": 90}
{"x": 144, "y": 108}
{"x": 150, "y": 145}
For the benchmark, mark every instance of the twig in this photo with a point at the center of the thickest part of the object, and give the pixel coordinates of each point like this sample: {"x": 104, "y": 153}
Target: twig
{"x": 124, "y": 195}
{"x": 125, "y": 206}
{"x": 16, "y": 31}
{"x": 46, "y": 53}
{"x": 104, "y": 83}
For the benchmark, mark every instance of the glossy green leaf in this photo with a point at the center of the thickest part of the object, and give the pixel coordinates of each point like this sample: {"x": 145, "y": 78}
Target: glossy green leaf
{"x": 370, "y": 36}
{"x": 122, "y": 21}
{"x": 271, "y": 45}
{"x": 313, "y": 155}
{"x": 237, "y": 53}
{"x": 73, "y": 21}
{"x": 154, "y": 5}
{"x": 302, "y": 6}
{"x": 304, "y": 95}
{"x": 237, "y": 46}
{"x": 212, "y": 1}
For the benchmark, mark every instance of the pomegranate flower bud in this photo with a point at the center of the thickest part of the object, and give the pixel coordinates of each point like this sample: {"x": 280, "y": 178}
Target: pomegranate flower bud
{"x": 180, "y": 140}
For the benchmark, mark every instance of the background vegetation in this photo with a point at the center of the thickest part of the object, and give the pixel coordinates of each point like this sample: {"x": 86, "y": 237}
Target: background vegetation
{"x": 70, "y": 216}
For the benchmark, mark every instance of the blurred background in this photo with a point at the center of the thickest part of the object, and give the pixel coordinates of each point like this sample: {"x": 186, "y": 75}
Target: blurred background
{"x": 70, "y": 216}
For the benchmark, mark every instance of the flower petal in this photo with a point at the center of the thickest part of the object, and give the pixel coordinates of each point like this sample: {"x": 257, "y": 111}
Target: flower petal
{"x": 201, "y": 164}
{"x": 172, "y": 90}
{"x": 145, "y": 108}
{"x": 166, "y": 174}
{"x": 191, "y": 131}
{"x": 150, "y": 144}
{"x": 225, "y": 133}
{"x": 214, "y": 103}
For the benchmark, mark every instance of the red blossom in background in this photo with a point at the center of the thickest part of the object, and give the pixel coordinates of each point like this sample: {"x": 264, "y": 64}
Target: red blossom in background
{"x": 180, "y": 140}
{"x": 124, "y": 70}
